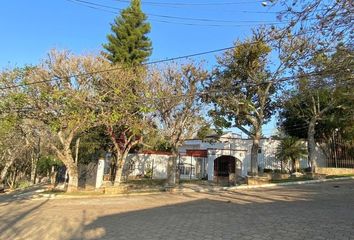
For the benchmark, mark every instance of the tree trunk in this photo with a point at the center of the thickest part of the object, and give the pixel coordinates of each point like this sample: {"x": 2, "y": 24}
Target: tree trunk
{"x": 11, "y": 181}
{"x": 311, "y": 145}
{"x": 72, "y": 170}
{"x": 5, "y": 169}
{"x": 118, "y": 179}
{"x": 254, "y": 155}
{"x": 172, "y": 170}
{"x": 66, "y": 156}
{"x": 34, "y": 161}
{"x": 73, "y": 178}
{"x": 35, "y": 155}
{"x": 177, "y": 171}
{"x": 119, "y": 176}
{"x": 281, "y": 166}
{"x": 53, "y": 175}
{"x": 77, "y": 146}
{"x": 293, "y": 161}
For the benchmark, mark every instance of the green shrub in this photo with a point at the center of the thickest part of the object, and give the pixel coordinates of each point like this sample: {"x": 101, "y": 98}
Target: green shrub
{"x": 148, "y": 173}
{"x": 280, "y": 171}
{"x": 306, "y": 170}
{"x": 23, "y": 184}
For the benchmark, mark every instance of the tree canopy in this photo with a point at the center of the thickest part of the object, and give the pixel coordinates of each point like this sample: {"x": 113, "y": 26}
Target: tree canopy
{"x": 128, "y": 43}
{"x": 177, "y": 106}
{"x": 321, "y": 102}
{"x": 242, "y": 90}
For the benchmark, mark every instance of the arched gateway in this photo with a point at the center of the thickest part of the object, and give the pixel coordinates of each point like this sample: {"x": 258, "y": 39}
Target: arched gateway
{"x": 227, "y": 169}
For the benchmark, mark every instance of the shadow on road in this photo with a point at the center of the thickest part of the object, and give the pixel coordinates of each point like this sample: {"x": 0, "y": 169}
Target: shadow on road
{"x": 323, "y": 211}
{"x": 21, "y": 195}
{"x": 239, "y": 215}
{"x": 10, "y": 227}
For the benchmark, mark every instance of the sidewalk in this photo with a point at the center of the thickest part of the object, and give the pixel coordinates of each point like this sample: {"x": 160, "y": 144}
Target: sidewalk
{"x": 205, "y": 188}
{"x": 39, "y": 192}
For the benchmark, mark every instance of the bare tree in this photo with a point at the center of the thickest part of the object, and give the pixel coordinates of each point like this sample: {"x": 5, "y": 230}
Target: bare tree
{"x": 58, "y": 99}
{"x": 178, "y": 110}
{"x": 327, "y": 22}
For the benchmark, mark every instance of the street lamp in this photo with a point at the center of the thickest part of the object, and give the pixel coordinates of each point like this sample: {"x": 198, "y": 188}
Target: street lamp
{"x": 265, "y": 3}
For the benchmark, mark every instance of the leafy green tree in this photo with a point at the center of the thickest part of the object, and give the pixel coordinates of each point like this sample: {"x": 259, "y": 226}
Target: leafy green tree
{"x": 121, "y": 98}
{"x": 45, "y": 165}
{"x": 291, "y": 149}
{"x": 11, "y": 144}
{"x": 242, "y": 90}
{"x": 319, "y": 25}
{"x": 156, "y": 141}
{"x": 91, "y": 144}
{"x": 128, "y": 43}
{"x": 206, "y": 130}
{"x": 304, "y": 110}
{"x": 342, "y": 118}
{"x": 321, "y": 101}
{"x": 15, "y": 141}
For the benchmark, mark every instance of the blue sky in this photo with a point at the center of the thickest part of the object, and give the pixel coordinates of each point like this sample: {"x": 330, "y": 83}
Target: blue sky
{"x": 29, "y": 29}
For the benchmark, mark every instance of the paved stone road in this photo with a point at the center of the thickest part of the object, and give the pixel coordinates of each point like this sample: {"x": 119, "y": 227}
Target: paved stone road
{"x": 316, "y": 211}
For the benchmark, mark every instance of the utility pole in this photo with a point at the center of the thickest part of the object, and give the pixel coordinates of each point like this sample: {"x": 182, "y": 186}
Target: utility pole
{"x": 334, "y": 148}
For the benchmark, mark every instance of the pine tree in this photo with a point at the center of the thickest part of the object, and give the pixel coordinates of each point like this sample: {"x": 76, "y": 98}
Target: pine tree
{"x": 128, "y": 43}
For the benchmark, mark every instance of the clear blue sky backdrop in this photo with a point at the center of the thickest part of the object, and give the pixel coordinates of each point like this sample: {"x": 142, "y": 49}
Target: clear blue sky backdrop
{"x": 29, "y": 29}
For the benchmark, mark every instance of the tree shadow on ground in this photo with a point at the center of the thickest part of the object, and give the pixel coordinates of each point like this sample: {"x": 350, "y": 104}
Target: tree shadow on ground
{"x": 302, "y": 212}
{"x": 20, "y": 195}
{"x": 239, "y": 215}
{"x": 10, "y": 219}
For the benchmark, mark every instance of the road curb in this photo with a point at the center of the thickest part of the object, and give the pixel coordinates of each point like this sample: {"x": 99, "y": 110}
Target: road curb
{"x": 59, "y": 196}
{"x": 287, "y": 183}
{"x": 186, "y": 189}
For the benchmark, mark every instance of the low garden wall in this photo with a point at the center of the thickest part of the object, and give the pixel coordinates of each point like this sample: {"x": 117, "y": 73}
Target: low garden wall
{"x": 335, "y": 171}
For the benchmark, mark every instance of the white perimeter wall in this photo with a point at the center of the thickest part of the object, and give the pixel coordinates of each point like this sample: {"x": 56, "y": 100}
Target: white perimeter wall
{"x": 240, "y": 149}
{"x": 142, "y": 163}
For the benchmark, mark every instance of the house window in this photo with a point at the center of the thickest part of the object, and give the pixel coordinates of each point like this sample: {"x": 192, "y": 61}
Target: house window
{"x": 186, "y": 170}
{"x": 131, "y": 166}
{"x": 181, "y": 169}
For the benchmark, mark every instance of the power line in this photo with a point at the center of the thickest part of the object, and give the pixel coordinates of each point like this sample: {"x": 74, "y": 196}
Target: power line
{"x": 106, "y": 8}
{"x": 200, "y": 94}
{"x": 207, "y": 92}
{"x": 291, "y": 127}
{"x": 98, "y": 6}
{"x": 201, "y": 5}
{"x": 210, "y": 25}
{"x": 194, "y": 4}
{"x": 145, "y": 64}
{"x": 169, "y": 22}
{"x": 120, "y": 67}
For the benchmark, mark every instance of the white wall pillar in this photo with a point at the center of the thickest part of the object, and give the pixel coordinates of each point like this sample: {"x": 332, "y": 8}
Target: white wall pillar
{"x": 211, "y": 167}
{"x": 100, "y": 172}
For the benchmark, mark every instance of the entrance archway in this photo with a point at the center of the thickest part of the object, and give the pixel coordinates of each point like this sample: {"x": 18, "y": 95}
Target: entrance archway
{"x": 226, "y": 169}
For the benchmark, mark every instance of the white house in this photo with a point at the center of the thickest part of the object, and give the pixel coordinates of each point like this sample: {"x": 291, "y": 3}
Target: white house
{"x": 223, "y": 156}
{"x": 227, "y": 156}
{"x": 216, "y": 158}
